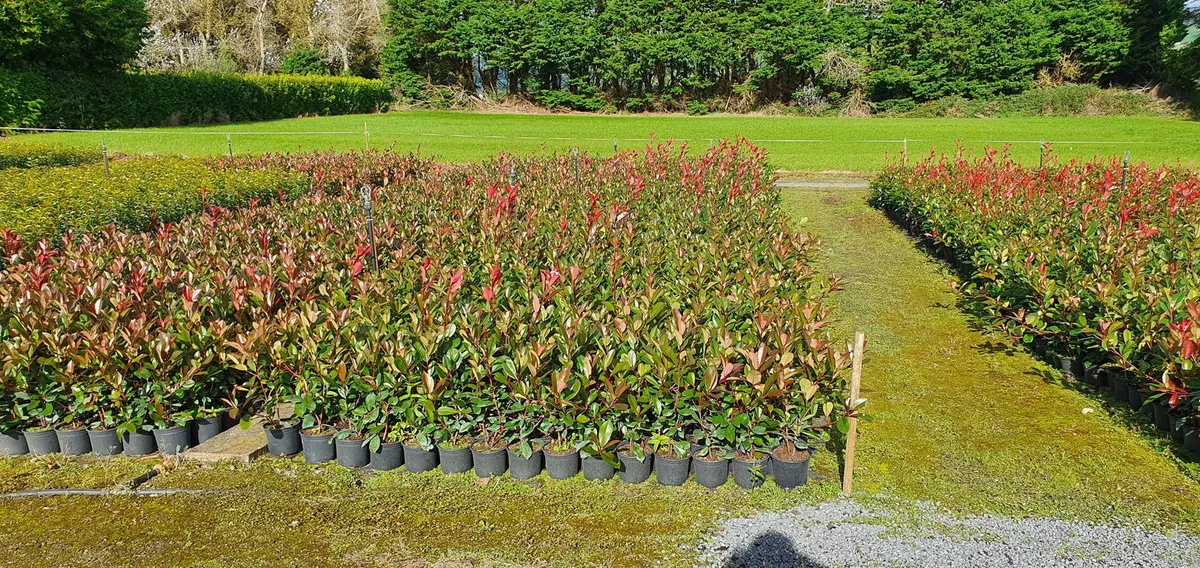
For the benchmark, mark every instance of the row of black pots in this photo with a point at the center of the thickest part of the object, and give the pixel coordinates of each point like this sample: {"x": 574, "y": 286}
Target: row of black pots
{"x": 1186, "y": 435}
{"x": 711, "y": 473}
{"x": 106, "y": 442}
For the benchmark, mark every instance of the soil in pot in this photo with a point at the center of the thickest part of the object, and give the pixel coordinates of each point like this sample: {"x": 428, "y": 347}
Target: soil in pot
{"x": 418, "y": 459}
{"x": 139, "y": 443}
{"x": 13, "y": 444}
{"x": 790, "y": 466}
{"x": 173, "y": 440}
{"x": 352, "y": 452}
{"x": 317, "y": 445}
{"x": 204, "y": 429}
{"x": 670, "y": 469}
{"x": 562, "y": 465}
{"x": 389, "y": 456}
{"x": 595, "y": 468}
{"x": 283, "y": 441}
{"x": 455, "y": 459}
{"x": 105, "y": 442}
{"x": 522, "y": 467}
{"x": 489, "y": 461}
{"x": 749, "y": 471}
{"x": 73, "y": 441}
{"x": 41, "y": 442}
{"x": 634, "y": 470}
{"x": 712, "y": 470}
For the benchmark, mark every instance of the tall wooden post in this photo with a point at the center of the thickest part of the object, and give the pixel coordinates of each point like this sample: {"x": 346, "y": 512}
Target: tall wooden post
{"x": 852, "y": 435}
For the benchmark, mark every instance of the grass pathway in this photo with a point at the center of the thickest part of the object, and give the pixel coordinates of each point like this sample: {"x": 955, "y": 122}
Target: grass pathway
{"x": 962, "y": 419}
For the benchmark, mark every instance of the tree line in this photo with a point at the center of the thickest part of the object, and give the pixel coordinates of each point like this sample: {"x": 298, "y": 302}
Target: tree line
{"x": 633, "y": 54}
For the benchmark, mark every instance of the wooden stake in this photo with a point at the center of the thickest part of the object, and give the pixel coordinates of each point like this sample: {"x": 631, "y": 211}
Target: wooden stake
{"x": 104, "y": 150}
{"x": 905, "y": 152}
{"x": 229, "y": 144}
{"x": 852, "y": 435}
{"x": 366, "y": 138}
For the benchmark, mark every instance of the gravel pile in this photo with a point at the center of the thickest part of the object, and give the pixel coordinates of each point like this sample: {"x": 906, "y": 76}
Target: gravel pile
{"x": 845, "y": 534}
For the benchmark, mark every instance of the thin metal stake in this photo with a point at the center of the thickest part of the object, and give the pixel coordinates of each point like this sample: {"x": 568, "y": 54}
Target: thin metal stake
{"x": 1041, "y": 154}
{"x": 614, "y": 145}
{"x": 1125, "y": 172}
{"x": 229, "y": 144}
{"x": 575, "y": 152}
{"x": 104, "y": 150}
{"x": 366, "y": 137}
{"x": 905, "y": 152}
{"x": 512, "y": 174}
{"x": 366, "y": 195}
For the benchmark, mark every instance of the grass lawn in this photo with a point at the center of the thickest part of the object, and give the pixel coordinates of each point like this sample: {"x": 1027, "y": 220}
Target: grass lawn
{"x": 795, "y": 143}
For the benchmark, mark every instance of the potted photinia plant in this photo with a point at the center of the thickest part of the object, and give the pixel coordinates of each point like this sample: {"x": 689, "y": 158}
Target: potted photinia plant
{"x": 749, "y": 466}
{"x": 12, "y": 439}
{"x": 797, "y": 416}
{"x": 489, "y": 451}
{"x": 418, "y": 435}
{"x": 524, "y": 449}
{"x": 136, "y": 425}
{"x": 455, "y": 439}
{"x": 598, "y": 456}
{"x": 316, "y": 435}
{"x": 41, "y": 415}
{"x": 634, "y": 454}
{"x": 672, "y": 459}
{"x": 561, "y": 452}
{"x": 72, "y": 430}
{"x": 105, "y": 418}
{"x": 710, "y": 463}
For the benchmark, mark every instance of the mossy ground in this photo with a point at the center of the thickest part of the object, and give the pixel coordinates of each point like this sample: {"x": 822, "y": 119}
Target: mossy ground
{"x": 958, "y": 417}
{"x": 279, "y": 512}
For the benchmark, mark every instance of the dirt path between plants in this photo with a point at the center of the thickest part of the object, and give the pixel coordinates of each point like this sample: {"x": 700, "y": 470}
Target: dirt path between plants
{"x": 962, "y": 419}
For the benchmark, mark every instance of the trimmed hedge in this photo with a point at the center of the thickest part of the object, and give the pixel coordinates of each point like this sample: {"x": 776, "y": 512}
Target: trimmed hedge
{"x": 140, "y": 194}
{"x": 22, "y": 153}
{"x": 60, "y": 99}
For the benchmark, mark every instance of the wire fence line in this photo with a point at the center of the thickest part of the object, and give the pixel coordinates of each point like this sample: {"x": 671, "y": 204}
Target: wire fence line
{"x": 367, "y": 132}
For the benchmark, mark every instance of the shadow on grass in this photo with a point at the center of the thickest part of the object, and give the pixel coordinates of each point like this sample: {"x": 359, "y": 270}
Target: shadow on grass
{"x": 771, "y": 549}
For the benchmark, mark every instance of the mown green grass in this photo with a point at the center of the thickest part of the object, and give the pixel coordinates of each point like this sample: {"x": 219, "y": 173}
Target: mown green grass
{"x": 963, "y": 419}
{"x": 822, "y": 143}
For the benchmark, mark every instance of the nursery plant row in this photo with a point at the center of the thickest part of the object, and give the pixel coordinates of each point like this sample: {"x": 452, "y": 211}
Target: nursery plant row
{"x": 649, "y": 304}
{"x": 136, "y": 194}
{"x": 1095, "y": 265}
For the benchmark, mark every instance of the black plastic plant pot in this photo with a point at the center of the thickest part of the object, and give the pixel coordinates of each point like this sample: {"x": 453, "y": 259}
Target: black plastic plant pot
{"x": 1162, "y": 417}
{"x": 389, "y": 456}
{"x": 283, "y": 442}
{"x": 1178, "y": 429}
{"x": 204, "y": 429}
{"x": 42, "y": 442}
{"x": 418, "y": 459}
{"x": 13, "y": 444}
{"x": 105, "y": 442}
{"x": 1120, "y": 389}
{"x": 73, "y": 442}
{"x": 521, "y": 467}
{"x": 455, "y": 460}
{"x": 562, "y": 466}
{"x": 1191, "y": 440}
{"x": 634, "y": 470}
{"x": 173, "y": 440}
{"x": 710, "y": 473}
{"x": 138, "y": 443}
{"x": 1107, "y": 379}
{"x": 671, "y": 471}
{"x": 317, "y": 448}
{"x": 490, "y": 463}
{"x": 789, "y": 474}
{"x": 1067, "y": 365}
{"x": 749, "y": 474}
{"x": 1136, "y": 398}
{"x": 1091, "y": 376}
{"x": 352, "y": 453}
{"x": 596, "y": 469}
